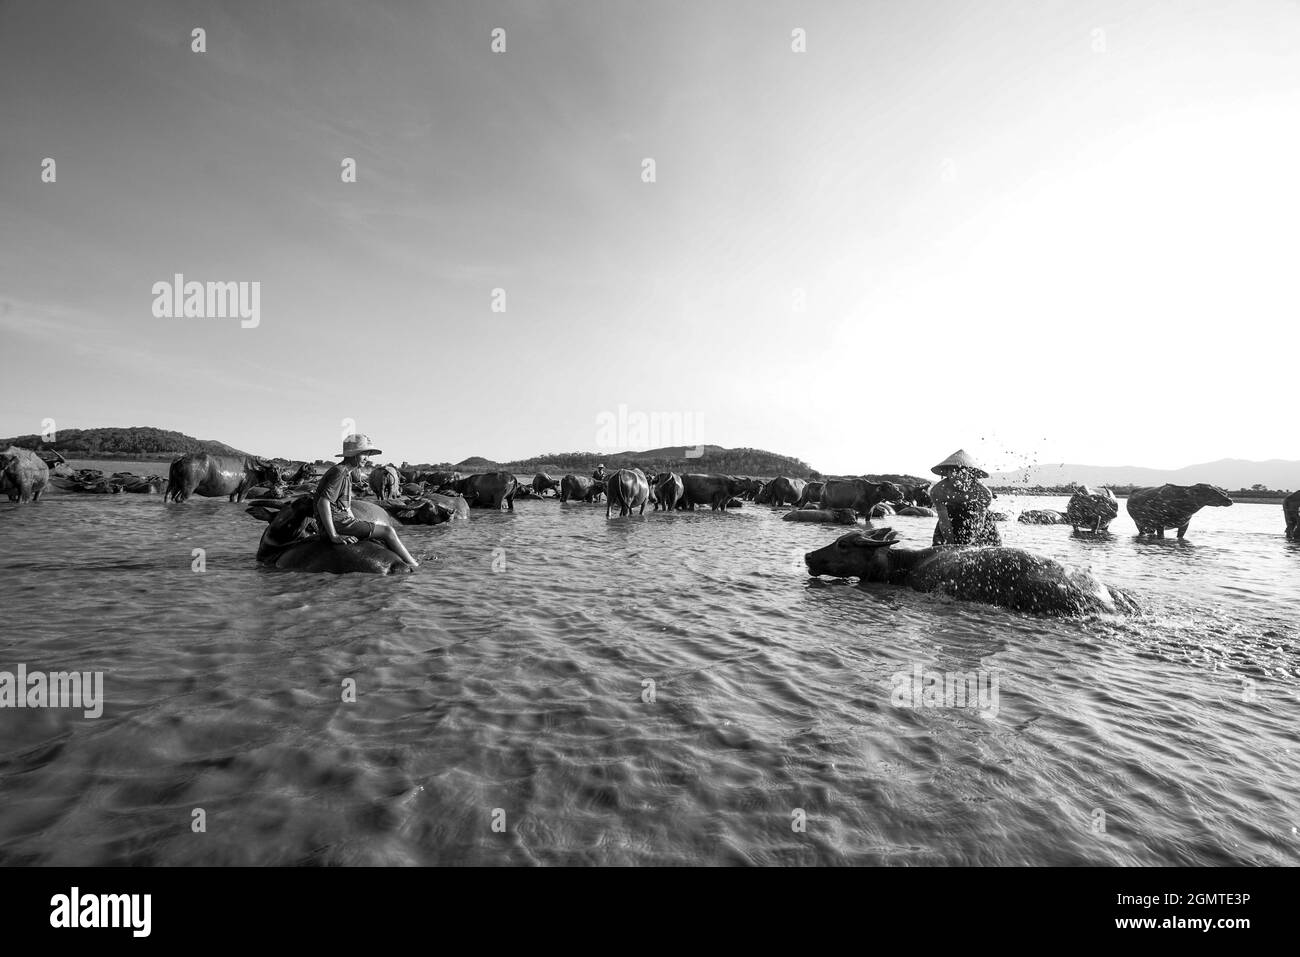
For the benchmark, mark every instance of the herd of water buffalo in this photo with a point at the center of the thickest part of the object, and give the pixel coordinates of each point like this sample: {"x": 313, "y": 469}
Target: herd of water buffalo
{"x": 422, "y": 496}
{"x": 279, "y": 494}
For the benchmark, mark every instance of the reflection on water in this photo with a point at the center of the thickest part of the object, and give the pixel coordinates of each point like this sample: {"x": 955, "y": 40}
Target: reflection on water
{"x": 663, "y": 689}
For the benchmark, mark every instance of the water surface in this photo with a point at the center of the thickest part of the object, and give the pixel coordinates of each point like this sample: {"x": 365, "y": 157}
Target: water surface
{"x": 506, "y": 681}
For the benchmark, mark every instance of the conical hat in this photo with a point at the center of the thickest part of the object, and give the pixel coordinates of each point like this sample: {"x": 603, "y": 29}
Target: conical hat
{"x": 961, "y": 459}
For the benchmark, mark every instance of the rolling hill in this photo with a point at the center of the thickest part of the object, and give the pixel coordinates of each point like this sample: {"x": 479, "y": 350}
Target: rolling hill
{"x": 711, "y": 458}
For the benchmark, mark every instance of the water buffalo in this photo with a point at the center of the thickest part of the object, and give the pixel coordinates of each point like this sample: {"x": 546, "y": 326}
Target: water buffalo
{"x": 916, "y": 511}
{"x": 858, "y": 494}
{"x": 1171, "y": 506}
{"x": 881, "y": 510}
{"x": 714, "y": 491}
{"x": 439, "y": 480}
{"x": 384, "y": 481}
{"x": 626, "y": 488}
{"x": 812, "y": 494}
{"x": 1089, "y": 507}
{"x": 749, "y": 488}
{"x": 544, "y": 483}
{"x": 1010, "y": 577}
{"x": 579, "y": 488}
{"x": 92, "y": 481}
{"x": 837, "y": 516}
{"x": 1041, "y": 516}
{"x": 488, "y": 490}
{"x": 198, "y": 473}
{"x": 421, "y": 511}
{"x": 23, "y": 475}
{"x": 784, "y": 490}
{"x": 51, "y": 458}
{"x": 140, "y": 484}
{"x": 668, "y": 490}
{"x": 291, "y": 541}
{"x": 304, "y": 472}
{"x": 1291, "y": 513}
{"x": 916, "y": 494}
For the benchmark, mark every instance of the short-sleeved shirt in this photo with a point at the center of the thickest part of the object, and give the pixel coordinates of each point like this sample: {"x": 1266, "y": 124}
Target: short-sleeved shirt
{"x": 336, "y": 488}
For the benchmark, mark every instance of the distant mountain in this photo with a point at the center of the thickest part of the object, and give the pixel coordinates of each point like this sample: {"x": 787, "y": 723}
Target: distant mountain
{"x": 121, "y": 443}
{"x": 1226, "y": 473}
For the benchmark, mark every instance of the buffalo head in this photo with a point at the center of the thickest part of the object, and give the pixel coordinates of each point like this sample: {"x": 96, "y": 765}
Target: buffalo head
{"x": 1211, "y": 495}
{"x": 855, "y": 555}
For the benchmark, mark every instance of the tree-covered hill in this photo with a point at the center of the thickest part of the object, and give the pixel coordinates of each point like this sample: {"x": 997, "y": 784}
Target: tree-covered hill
{"x": 714, "y": 459}
{"x": 135, "y": 441}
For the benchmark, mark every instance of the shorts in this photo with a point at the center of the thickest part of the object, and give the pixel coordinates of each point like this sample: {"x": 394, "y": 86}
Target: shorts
{"x": 354, "y": 527}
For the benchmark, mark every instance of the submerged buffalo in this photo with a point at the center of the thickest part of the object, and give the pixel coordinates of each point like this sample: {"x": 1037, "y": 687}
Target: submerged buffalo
{"x": 829, "y": 516}
{"x": 579, "y": 488}
{"x": 428, "y": 509}
{"x": 714, "y": 491}
{"x": 439, "y": 480}
{"x": 139, "y": 484}
{"x": 1010, "y": 577}
{"x": 1041, "y": 516}
{"x": 23, "y": 475}
{"x": 291, "y": 540}
{"x": 628, "y": 489}
{"x": 198, "y": 473}
{"x": 1095, "y": 508}
{"x": 858, "y": 494}
{"x": 488, "y": 490}
{"x": 1172, "y": 506}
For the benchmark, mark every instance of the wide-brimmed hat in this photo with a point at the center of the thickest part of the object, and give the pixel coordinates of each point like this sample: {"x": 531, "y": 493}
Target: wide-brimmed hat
{"x": 358, "y": 444}
{"x": 961, "y": 459}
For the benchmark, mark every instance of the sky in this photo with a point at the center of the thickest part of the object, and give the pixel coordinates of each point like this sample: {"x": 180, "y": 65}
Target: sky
{"x": 1042, "y": 231}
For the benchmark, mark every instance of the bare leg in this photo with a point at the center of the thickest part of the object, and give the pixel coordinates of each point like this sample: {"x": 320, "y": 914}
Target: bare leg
{"x": 388, "y": 535}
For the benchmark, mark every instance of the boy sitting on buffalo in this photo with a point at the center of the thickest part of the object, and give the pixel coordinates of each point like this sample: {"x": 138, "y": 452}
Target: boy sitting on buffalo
{"x": 334, "y": 503}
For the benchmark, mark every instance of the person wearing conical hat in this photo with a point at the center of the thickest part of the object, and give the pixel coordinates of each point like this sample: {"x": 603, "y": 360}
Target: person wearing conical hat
{"x": 334, "y": 503}
{"x": 962, "y": 502}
